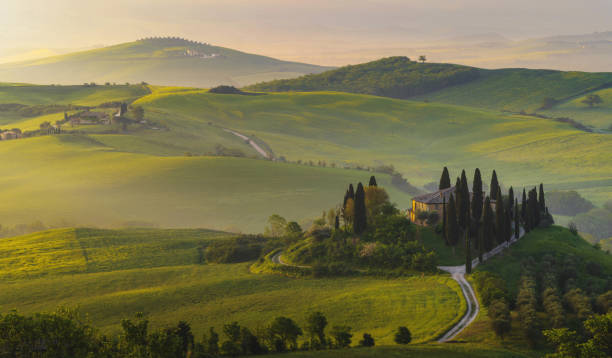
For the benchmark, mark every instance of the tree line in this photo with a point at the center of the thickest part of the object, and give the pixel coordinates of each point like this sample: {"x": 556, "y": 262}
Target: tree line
{"x": 66, "y": 334}
{"x": 486, "y": 221}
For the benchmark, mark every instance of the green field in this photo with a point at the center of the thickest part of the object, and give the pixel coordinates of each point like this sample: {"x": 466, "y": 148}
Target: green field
{"x": 417, "y": 138}
{"x": 161, "y": 61}
{"x": 76, "y": 95}
{"x": 599, "y": 116}
{"x": 75, "y": 179}
{"x": 413, "y": 351}
{"x": 113, "y": 274}
{"x": 519, "y": 89}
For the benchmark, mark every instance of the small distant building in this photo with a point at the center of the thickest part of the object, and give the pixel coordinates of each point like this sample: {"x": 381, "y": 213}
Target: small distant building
{"x": 8, "y": 135}
{"x": 90, "y": 118}
{"x": 434, "y": 202}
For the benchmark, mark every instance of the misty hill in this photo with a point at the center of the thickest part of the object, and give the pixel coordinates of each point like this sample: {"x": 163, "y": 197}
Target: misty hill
{"x": 396, "y": 77}
{"x": 164, "y": 61}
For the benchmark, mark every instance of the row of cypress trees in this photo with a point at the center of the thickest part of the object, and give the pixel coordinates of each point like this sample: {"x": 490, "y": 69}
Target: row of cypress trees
{"x": 359, "y": 215}
{"x": 473, "y": 218}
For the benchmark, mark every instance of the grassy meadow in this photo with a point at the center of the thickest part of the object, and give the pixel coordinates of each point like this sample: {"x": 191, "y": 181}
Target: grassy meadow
{"x": 112, "y": 274}
{"x": 417, "y": 138}
{"x": 76, "y": 179}
{"x": 599, "y": 116}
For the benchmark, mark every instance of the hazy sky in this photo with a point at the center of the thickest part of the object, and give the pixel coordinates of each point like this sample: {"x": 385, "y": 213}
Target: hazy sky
{"x": 291, "y": 29}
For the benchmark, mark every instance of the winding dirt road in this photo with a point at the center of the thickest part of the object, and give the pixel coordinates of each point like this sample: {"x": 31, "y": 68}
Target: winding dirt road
{"x": 473, "y": 308}
{"x": 251, "y": 142}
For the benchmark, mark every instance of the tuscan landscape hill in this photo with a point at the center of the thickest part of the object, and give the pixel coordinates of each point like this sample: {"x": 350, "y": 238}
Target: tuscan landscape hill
{"x": 163, "y": 61}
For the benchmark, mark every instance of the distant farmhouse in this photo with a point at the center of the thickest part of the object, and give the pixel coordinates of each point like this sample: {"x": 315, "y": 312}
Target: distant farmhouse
{"x": 90, "y": 118}
{"x": 10, "y": 134}
{"x": 435, "y": 201}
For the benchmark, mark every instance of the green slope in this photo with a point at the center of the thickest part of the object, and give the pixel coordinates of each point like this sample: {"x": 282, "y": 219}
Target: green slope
{"x": 417, "y": 138}
{"x": 112, "y": 274}
{"x": 78, "y": 179}
{"x": 76, "y": 95}
{"x": 599, "y": 116}
{"x": 160, "y": 61}
{"x": 520, "y": 89}
{"x": 396, "y": 77}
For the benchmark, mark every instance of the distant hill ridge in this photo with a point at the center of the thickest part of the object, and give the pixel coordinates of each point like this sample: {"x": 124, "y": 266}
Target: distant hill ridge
{"x": 395, "y": 77}
{"x": 157, "y": 60}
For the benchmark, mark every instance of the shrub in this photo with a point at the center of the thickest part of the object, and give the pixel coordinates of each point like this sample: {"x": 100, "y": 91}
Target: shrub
{"x": 367, "y": 340}
{"x": 402, "y": 335}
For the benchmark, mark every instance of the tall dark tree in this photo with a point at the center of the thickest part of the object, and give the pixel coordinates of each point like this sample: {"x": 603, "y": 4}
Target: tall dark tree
{"x": 477, "y": 201}
{"x": 494, "y": 187}
{"x": 500, "y": 217}
{"x": 444, "y": 219}
{"x": 350, "y": 194}
{"x": 524, "y": 207}
{"x": 517, "y": 224}
{"x": 468, "y": 253}
{"x": 360, "y": 223}
{"x": 452, "y": 228}
{"x": 372, "y": 181}
{"x": 444, "y": 180}
{"x": 463, "y": 215}
{"x": 488, "y": 225}
{"x": 510, "y": 200}
{"x": 337, "y": 223}
{"x": 457, "y": 196}
{"x": 541, "y": 199}
{"x": 508, "y": 226}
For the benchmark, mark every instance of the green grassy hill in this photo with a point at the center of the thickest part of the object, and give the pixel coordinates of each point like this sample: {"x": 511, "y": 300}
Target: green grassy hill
{"x": 599, "y": 116}
{"x": 511, "y": 90}
{"x": 396, "y": 77}
{"x": 79, "y": 179}
{"x": 164, "y": 61}
{"x": 417, "y": 138}
{"x": 112, "y": 274}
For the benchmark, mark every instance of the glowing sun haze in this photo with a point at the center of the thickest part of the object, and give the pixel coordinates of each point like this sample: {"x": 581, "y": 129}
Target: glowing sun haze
{"x": 321, "y": 31}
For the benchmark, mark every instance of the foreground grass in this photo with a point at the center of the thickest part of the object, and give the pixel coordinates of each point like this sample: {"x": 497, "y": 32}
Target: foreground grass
{"x": 111, "y": 275}
{"x": 448, "y": 350}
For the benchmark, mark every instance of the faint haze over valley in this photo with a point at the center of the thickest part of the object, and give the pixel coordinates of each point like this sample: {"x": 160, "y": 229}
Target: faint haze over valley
{"x": 558, "y": 34}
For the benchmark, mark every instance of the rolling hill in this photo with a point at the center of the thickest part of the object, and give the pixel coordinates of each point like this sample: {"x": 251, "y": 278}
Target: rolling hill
{"x": 417, "y": 138}
{"x": 112, "y": 274}
{"x": 163, "y": 61}
{"x": 513, "y": 90}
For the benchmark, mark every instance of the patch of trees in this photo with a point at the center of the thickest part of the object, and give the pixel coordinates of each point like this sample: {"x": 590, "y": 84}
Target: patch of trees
{"x": 240, "y": 249}
{"x": 568, "y": 203}
{"x": 592, "y": 340}
{"x": 494, "y": 296}
{"x": 364, "y": 232}
{"x": 469, "y": 218}
{"x": 592, "y": 100}
{"x": 231, "y": 90}
{"x": 66, "y": 334}
{"x": 223, "y": 151}
{"x": 396, "y": 77}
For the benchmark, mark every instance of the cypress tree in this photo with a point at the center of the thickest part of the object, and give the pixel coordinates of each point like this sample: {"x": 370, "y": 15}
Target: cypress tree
{"x": 488, "y": 225}
{"x": 517, "y": 225}
{"x": 541, "y": 199}
{"x": 524, "y": 208}
{"x": 452, "y": 229}
{"x": 511, "y": 200}
{"x": 372, "y": 181}
{"x": 457, "y": 195}
{"x": 350, "y": 194}
{"x": 508, "y": 226}
{"x": 468, "y": 253}
{"x": 494, "y": 188}
{"x": 360, "y": 223}
{"x": 499, "y": 218}
{"x": 444, "y": 219}
{"x": 444, "y": 180}
{"x": 463, "y": 215}
{"x": 337, "y": 223}
{"x": 477, "y": 201}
